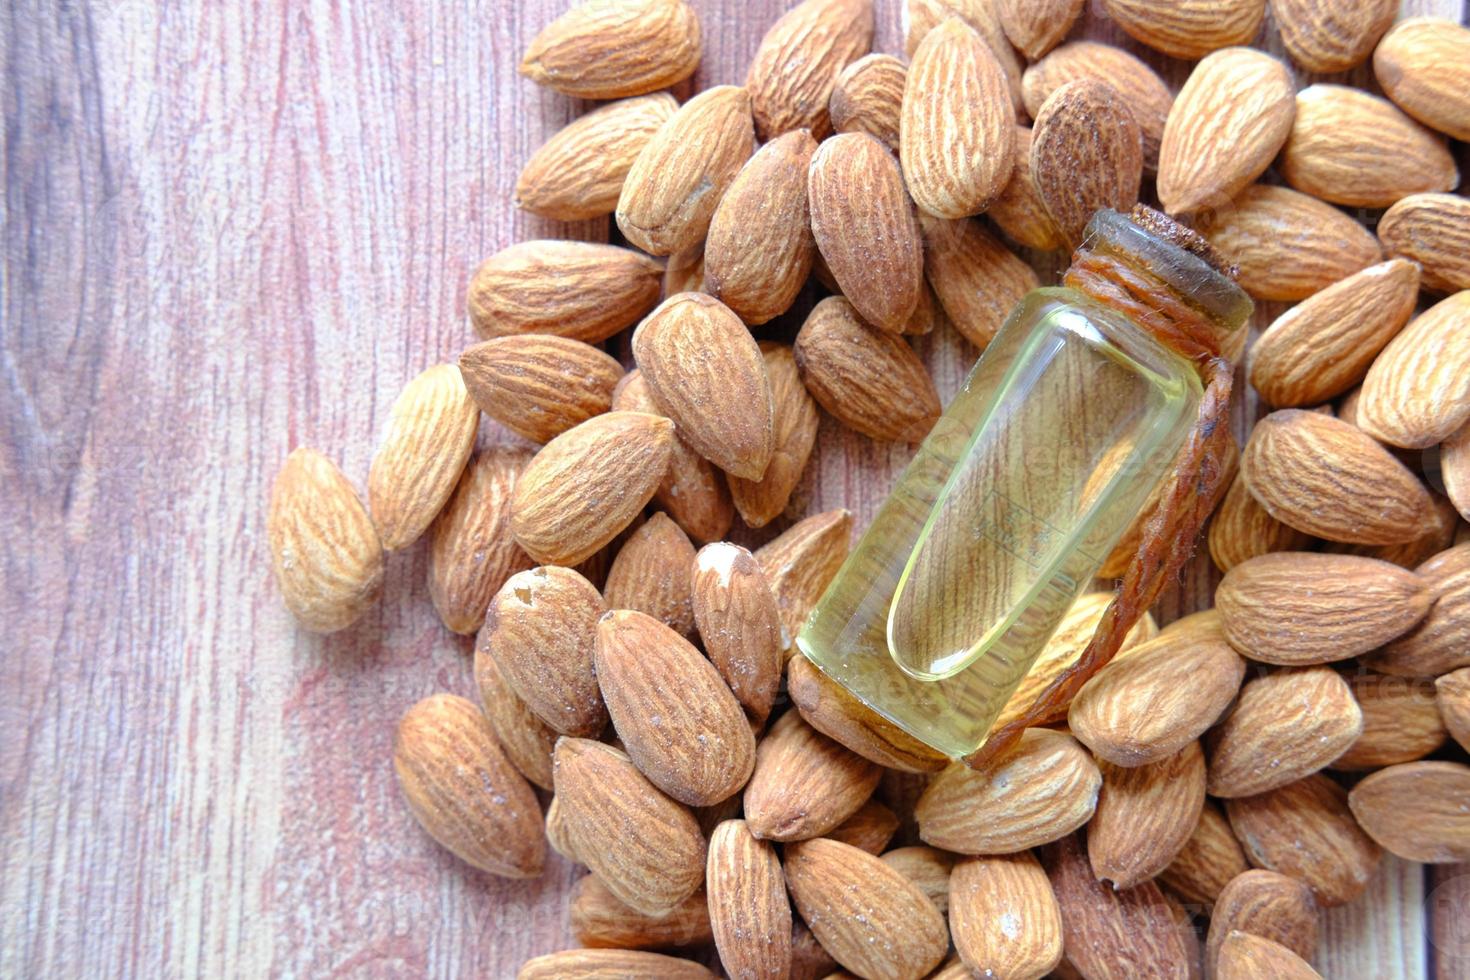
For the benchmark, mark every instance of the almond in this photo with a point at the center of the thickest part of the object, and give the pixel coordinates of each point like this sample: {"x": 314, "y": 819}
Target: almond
{"x": 471, "y": 550}
{"x": 608, "y": 49}
{"x": 1422, "y": 65}
{"x": 1295, "y": 608}
{"x": 830, "y": 709}
{"x": 1188, "y": 28}
{"x": 597, "y": 964}
{"x": 1145, "y": 816}
{"x": 541, "y": 630}
{"x": 868, "y": 916}
{"x": 1434, "y": 826}
{"x": 927, "y": 867}
{"x": 868, "y": 97}
{"x": 652, "y": 574}
{"x": 684, "y": 271}
{"x": 1264, "y": 904}
{"x": 1207, "y": 862}
{"x": 557, "y": 834}
{"x": 865, "y": 228}
{"x": 809, "y": 961}
{"x": 1019, "y": 210}
{"x": 957, "y": 125}
{"x": 588, "y": 484}
{"x": 1141, "y": 88}
{"x": 739, "y": 624}
{"x": 794, "y": 433}
{"x": 871, "y": 380}
{"x": 463, "y": 791}
{"x": 424, "y": 449}
{"x": 1325, "y": 477}
{"x": 526, "y": 739}
{"x": 1417, "y": 392}
{"x": 869, "y": 829}
{"x": 1043, "y": 790}
{"x": 1401, "y": 722}
{"x": 793, "y": 72}
{"x": 748, "y": 908}
{"x": 1436, "y": 534}
{"x": 538, "y": 386}
{"x": 1004, "y": 916}
{"x": 1242, "y": 529}
{"x": 1452, "y": 695}
{"x": 1441, "y": 642}
{"x": 325, "y": 552}
{"x": 759, "y": 250}
{"x": 1454, "y": 469}
{"x": 801, "y": 562}
{"x": 1304, "y": 830}
{"x": 1245, "y": 957}
{"x": 600, "y": 920}
{"x": 1332, "y": 35}
{"x": 1086, "y": 154}
{"x": 579, "y": 172}
{"x": 975, "y": 277}
{"x": 581, "y": 290}
{"x": 922, "y": 16}
{"x": 1035, "y": 27}
{"x": 1434, "y": 231}
{"x": 676, "y": 183}
{"x": 1349, "y": 147}
{"x": 804, "y": 783}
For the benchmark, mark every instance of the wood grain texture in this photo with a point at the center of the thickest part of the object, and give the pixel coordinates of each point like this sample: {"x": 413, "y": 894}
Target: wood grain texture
{"x": 229, "y": 230}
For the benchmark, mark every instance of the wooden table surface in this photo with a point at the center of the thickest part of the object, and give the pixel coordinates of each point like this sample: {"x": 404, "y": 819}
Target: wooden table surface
{"x": 233, "y": 229}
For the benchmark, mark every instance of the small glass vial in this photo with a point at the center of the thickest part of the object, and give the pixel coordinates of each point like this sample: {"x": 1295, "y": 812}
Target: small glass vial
{"x": 1070, "y": 419}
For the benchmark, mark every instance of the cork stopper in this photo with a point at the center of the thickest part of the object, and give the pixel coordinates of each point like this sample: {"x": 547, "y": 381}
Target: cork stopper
{"x": 1162, "y": 226}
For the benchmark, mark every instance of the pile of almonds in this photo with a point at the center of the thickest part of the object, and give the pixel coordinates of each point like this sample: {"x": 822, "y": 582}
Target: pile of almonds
{"x": 1246, "y": 765}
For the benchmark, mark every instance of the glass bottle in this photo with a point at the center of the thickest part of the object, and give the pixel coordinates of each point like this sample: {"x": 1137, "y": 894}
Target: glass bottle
{"x": 1073, "y": 415}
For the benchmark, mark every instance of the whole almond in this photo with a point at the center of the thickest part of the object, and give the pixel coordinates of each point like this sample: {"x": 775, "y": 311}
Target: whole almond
{"x": 1324, "y": 36}
{"x": 424, "y": 449}
{"x": 471, "y": 549}
{"x": 792, "y": 74}
{"x": 673, "y": 188}
{"x": 1004, "y": 916}
{"x": 870, "y": 828}
{"x": 463, "y": 791}
{"x": 582, "y": 290}
{"x": 1417, "y": 810}
{"x": 1246, "y": 957}
{"x": 600, "y": 920}
{"x": 1434, "y": 231}
{"x": 739, "y": 624}
{"x": 865, "y": 228}
{"x": 608, "y": 49}
{"x": 1040, "y": 792}
{"x": 1304, "y": 830}
{"x": 759, "y": 249}
{"x": 539, "y": 386}
{"x": 1441, "y": 642}
{"x": 1086, "y": 154}
{"x": 922, "y": 16}
{"x": 579, "y": 172}
{"x": 1188, "y": 28}
{"x": 1019, "y": 210}
{"x": 607, "y": 964}
{"x": 868, "y": 916}
{"x": 1417, "y": 392}
{"x": 1325, "y": 477}
{"x": 1423, "y": 64}
{"x": 957, "y": 128}
{"x": 1452, "y": 695}
{"x": 1207, "y": 862}
{"x": 868, "y": 97}
{"x": 748, "y": 908}
{"x": 1265, "y": 904}
{"x": 653, "y": 574}
{"x": 830, "y": 709}
{"x": 975, "y": 277}
{"x": 526, "y": 740}
{"x": 1349, "y": 147}
{"x": 927, "y": 867}
{"x": 794, "y": 433}
{"x": 1141, "y": 88}
{"x": 1231, "y": 117}
{"x": 871, "y": 380}
{"x": 804, "y": 784}
{"x": 325, "y": 552}
{"x": 1145, "y": 816}
{"x": 1242, "y": 529}
{"x": 541, "y": 629}
{"x": 1037, "y": 27}
{"x": 1401, "y": 721}
{"x": 801, "y": 563}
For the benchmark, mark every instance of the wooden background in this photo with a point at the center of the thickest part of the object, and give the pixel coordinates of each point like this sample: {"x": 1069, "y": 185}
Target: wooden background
{"x": 231, "y": 229}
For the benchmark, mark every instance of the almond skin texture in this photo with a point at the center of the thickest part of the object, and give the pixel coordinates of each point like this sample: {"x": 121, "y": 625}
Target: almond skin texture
{"x": 600, "y": 920}
{"x": 739, "y": 624}
{"x": 868, "y": 98}
{"x": 804, "y": 784}
{"x": 1441, "y": 642}
{"x": 1417, "y": 810}
{"x": 652, "y": 574}
{"x": 868, "y": 916}
{"x": 794, "y": 433}
{"x": 1004, "y": 916}
{"x": 1454, "y": 469}
{"x": 1352, "y": 148}
{"x": 1019, "y": 210}
{"x": 1140, "y": 87}
{"x": 957, "y": 124}
{"x": 464, "y": 792}
{"x": 865, "y": 228}
{"x": 1305, "y": 831}
{"x": 1209, "y": 860}
{"x": 588, "y": 484}
{"x": 1424, "y": 66}
{"x": 1268, "y": 905}
{"x": 676, "y": 183}
{"x": 927, "y": 867}
{"x": 608, "y": 49}
{"x": 872, "y": 381}
{"x": 471, "y": 550}
{"x": 1086, "y": 154}
{"x": 421, "y": 455}
{"x": 608, "y": 964}
{"x": 1401, "y": 722}
{"x": 984, "y": 16}
{"x": 1230, "y": 118}
{"x": 684, "y": 271}
{"x": 1326, "y": 37}
{"x": 1325, "y": 477}
{"x": 831, "y": 710}
{"x": 539, "y": 386}
{"x": 1242, "y": 529}
{"x": 801, "y": 563}
{"x": 1452, "y": 694}
{"x": 1041, "y": 792}
{"x": 1188, "y": 28}
{"x": 1417, "y": 393}
{"x": 759, "y": 250}
{"x": 869, "y": 829}
{"x": 975, "y": 277}
{"x": 1295, "y": 608}
{"x": 792, "y": 74}
{"x": 1434, "y": 231}
{"x": 1324, "y": 346}
{"x": 1037, "y": 27}
{"x": 325, "y": 552}
{"x": 1145, "y": 816}
{"x": 526, "y": 740}
{"x": 579, "y": 172}
{"x": 1246, "y": 957}
{"x": 748, "y": 908}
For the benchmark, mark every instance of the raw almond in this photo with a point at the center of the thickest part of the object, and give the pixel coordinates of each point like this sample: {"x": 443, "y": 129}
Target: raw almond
{"x": 579, "y": 172}
{"x": 539, "y": 386}
{"x": 600, "y": 920}
{"x": 868, "y": 97}
{"x": 792, "y": 74}
{"x": 1242, "y": 529}
{"x": 1207, "y": 862}
{"x": 1019, "y": 210}
{"x": 1247, "y": 957}
{"x": 1454, "y": 469}
{"x": 1004, "y": 916}
{"x": 424, "y": 449}
{"x": 1141, "y": 88}
{"x": 542, "y": 631}
{"x": 1452, "y": 695}
{"x": 652, "y": 574}
{"x": 1441, "y": 642}
{"x": 830, "y": 709}
{"x": 676, "y": 183}
{"x": 1086, "y": 154}
{"x": 871, "y": 380}
{"x": 759, "y": 250}
{"x": 1417, "y": 810}
{"x": 1417, "y": 392}
{"x": 1326, "y": 36}
{"x": 801, "y": 562}
{"x": 1424, "y": 66}
{"x": 922, "y": 16}
{"x": 1145, "y": 816}
{"x": 325, "y": 552}
{"x": 582, "y": 290}
{"x": 868, "y": 916}
{"x": 794, "y": 432}
{"x": 869, "y": 829}
{"x": 927, "y": 867}
{"x": 804, "y": 784}
{"x": 957, "y": 126}
{"x": 1037, "y": 27}
{"x": 678, "y": 721}
{"x": 607, "y": 964}
{"x": 1436, "y": 534}
{"x": 463, "y": 791}
{"x": 739, "y": 624}
{"x": 748, "y": 908}
{"x": 1188, "y": 28}
{"x": 608, "y": 49}
{"x": 1043, "y": 790}
{"x": 1401, "y": 722}
{"x": 865, "y": 228}
{"x": 1434, "y": 231}
{"x": 975, "y": 277}
{"x": 526, "y": 739}
{"x": 471, "y": 549}
{"x": 1265, "y": 904}
{"x": 1349, "y": 147}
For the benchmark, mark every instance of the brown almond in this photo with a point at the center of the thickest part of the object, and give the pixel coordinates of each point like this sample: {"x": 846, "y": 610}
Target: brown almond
{"x": 804, "y": 783}
{"x": 652, "y": 574}
{"x": 1188, "y": 28}
{"x": 1145, "y": 816}
{"x": 1141, "y": 88}
{"x": 608, "y": 49}
{"x": 1324, "y": 36}
{"x": 539, "y": 386}
{"x": 1265, "y": 904}
{"x": 975, "y": 277}
{"x": 1423, "y": 64}
{"x": 868, "y": 97}
{"x": 1452, "y": 695}
{"x": 1417, "y": 810}
{"x": 1037, "y": 27}
{"x": 1454, "y": 469}
{"x": 471, "y": 549}
{"x": 1086, "y": 154}
{"x": 1441, "y": 642}
{"x": 869, "y": 829}
{"x": 1436, "y": 534}
{"x": 1417, "y": 392}
{"x": 801, "y": 563}
{"x": 927, "y": 867}
{"x": 794, "y": 433}
{"x": 809, "y": 961}
{"x": 797, "y": 63}
{"x": 1019, "y": 210}
{"x": 1401, "y": 721}
{"x": 739, "y": 623}
{"x": 830, "y": 709}
{"x": 922, "y": 16}
{"x": 601, "y": 920}
{"x": 748, "y": 908}
{"x": 1434, "y": 231}
{"x": 526, "y": 739}
{"x": 1207, "y": 862}
{"x": 1247, "y": 957}
{"x": 1004, "y": 916}
{"x": 1242, "y": 529}
{"x": 596, "y": 964}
